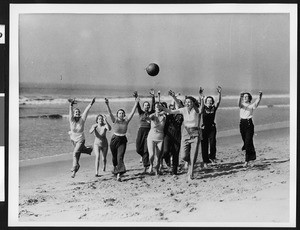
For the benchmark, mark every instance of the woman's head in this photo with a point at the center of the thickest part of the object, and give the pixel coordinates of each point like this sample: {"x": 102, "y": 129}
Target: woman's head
{"x": 156, "y": 106}
{"x": 146, "y": 106}
{"x": 190, "y": 102}
{"x": 99, "y": 119}
{"x": 247, "y": 97}
{"x": 76, "y": 112}
{"x": 121, "y": 114}
{"x": 209, "y": 101}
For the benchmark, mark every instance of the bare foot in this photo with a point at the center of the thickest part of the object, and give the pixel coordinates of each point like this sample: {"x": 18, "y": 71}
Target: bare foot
{"x": 190, "y": 177}
{"x": 119, "y": 177}
{"x": 73, "y": 174}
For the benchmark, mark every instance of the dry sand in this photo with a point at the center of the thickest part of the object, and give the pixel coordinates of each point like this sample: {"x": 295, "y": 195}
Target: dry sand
{"x": 225, "y": 192}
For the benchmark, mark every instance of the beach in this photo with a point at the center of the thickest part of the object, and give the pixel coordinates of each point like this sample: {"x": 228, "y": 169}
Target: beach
{"x": 85, "y": 52}
{"x": 224, "y": 193}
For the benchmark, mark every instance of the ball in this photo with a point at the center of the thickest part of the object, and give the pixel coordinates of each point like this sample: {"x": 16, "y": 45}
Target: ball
{"x": 152, "y": 69}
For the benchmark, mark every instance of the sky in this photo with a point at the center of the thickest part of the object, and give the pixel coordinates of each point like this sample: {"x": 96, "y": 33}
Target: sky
{"x": 245, "y": 51}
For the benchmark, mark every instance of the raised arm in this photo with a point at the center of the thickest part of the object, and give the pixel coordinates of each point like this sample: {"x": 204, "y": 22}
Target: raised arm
{"x": 240, "y": 99}
{"x": 201, "y": 108}
{"x": 133, "y": 109}
{"x": 135, "y": 95}
{"x": 87, "y": 109}
{"x": 219, "y": 89}
{"x": 201, "y": 101}
{"x": 71, "y": 112}
{"x": 169, "y": 111}
{"x": 256, "y": 103}
{"x": 172, "y": 94}
{"x": 152, "y": 93}
{"x": 107, "y": 125}
{"x": 109, "y": 111}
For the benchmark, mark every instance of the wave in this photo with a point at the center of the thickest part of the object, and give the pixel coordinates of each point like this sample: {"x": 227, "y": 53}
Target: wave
{"x": 23, "y": 100}
{"x": 65, "y": 116}
{"x": 41, "y": 101}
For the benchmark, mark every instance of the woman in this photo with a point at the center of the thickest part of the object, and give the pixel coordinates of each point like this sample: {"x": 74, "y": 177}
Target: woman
{"x": 246, "y": 124}
{"x": 209, "y": 130}
{"x": 156, "y": 137}
{"x": 172, "y": 138}
{"x": 118, "y": 141}
{"x": 144, "y": 128}
{"x": 191, "y": 134}
{"x": 100, "y": 144}
{"x": 77, "y": 133}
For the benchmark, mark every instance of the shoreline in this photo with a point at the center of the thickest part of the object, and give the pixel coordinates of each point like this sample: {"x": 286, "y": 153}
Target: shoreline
{"x": 131, "y": 146}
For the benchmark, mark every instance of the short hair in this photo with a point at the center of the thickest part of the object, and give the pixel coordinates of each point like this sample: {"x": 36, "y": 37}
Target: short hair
{"x": 146, "y": 102}
{"x": 120, "y": 110}
{"x": 249, "y": 95}
{"x": 99, "y": 115}
{"x": 193, "y": 100}
{"x": 164, "y": 104}
{"x": 213, "y": 100}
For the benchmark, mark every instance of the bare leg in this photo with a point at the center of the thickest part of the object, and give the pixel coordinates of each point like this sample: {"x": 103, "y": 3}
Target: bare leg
{"x": 151, "y": 154}
{"x": 104, "y": 154}
{"x": 158, "y": 150}
{"x": 97, "y": 159}
{"x": 76, "y": 157}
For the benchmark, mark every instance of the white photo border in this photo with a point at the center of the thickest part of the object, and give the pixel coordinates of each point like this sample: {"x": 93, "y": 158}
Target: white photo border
{"x": 17, "y": 9}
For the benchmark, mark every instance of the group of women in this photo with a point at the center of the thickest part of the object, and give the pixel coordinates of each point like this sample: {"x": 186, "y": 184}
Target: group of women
{"x": 165, "y": 132}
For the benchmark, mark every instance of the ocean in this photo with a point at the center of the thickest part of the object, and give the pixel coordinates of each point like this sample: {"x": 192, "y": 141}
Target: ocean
{"x": 44, "y": 126}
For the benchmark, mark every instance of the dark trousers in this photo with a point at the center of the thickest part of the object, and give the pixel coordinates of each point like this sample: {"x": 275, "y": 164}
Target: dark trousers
{"x": 171, "y": 148}
{"x": 247, "y": 132}
{"x": 209, "y": 141}
{"x": 141, "y": 145}
{"x": 118, "y": 147}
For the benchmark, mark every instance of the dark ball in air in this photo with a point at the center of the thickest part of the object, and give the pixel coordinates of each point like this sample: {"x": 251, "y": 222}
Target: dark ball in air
{"x": 152, "y": 69}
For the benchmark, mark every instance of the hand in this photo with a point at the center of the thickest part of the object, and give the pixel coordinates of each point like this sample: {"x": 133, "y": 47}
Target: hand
{"x": 104, "y": 118}
{"x": 72, "y": 101}
{"x": 201, "y": 90}
{"x": 152, "y": 93}
{"x": 106, "y": 101}
{"x": 260, "y": 93}
{"x": 135, "y": 94}
{"x": 171, "y": 93}
{"x": 93, "y": 101}
{"x": 219, "y": 89}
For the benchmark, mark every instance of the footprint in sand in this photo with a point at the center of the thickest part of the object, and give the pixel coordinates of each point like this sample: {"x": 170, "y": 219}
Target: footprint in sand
{"x": 27, "y": 213}
{"x": 109, "y": 201}
{"x": 83, "y": 215}
{"x": 192, "y": 209}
